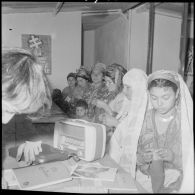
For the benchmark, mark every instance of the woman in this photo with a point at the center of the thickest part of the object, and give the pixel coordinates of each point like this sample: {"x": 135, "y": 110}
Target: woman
{"x": 24, "y": 90}
{"x": 113, "y": 78}
{"x": 68, "y": 92}
{"x": 128, "y": 123}
{"x": 165, "y": 147}
{"x": 97, "y": 90}
{"x": 71, "y": 94}
{"x": 83, "y": 82}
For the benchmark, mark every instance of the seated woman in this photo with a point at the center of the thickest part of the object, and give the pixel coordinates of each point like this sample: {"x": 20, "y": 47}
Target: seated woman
{"x": 166, "y": 139}
{"x": 113, "y": 78}
{"x": 123, "y": 142}
{"x": 83, "y": 82}
{"x": 68, "y": 92}
{"x": 71, "y": 93}
{"x": 97, "y": 90}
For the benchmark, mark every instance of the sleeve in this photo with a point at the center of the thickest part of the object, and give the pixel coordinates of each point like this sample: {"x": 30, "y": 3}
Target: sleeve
{"x": 25, "y": 131}
{"x": 175, "y": 145}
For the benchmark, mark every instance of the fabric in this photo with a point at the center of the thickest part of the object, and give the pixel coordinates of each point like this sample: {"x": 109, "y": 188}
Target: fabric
{"x": 150, "y": 139}
{"x": 117, "y": 103}
{"x": 94, "y": 93}
{"x": 116, "y": 73}
{"x": 83, "y": 73}
{"x": 16, "y": 131}
{"x": 170, "y": 176}
{"x": 99, "y": 67}
{"x": 180, "y": 133}
{"x": 123, "y": 143}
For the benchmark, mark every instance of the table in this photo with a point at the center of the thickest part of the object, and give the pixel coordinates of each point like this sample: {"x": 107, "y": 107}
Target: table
{"x": 49, "y": 116}
{"x": 123, "y": 182}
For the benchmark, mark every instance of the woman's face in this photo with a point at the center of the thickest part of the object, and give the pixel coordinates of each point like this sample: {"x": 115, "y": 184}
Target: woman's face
{"x": 163, "y": 99}
{"x": 110, "y": 84}
{"x": 81, "y": 82}
{"x": 96, "y": 76}
{"x": 71, "y": 81}
{"x": 127, "y": 90}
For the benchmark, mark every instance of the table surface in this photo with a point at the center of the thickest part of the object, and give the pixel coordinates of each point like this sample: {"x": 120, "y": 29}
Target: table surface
{"x": 49, "y": 116}
{"x": 124, "y": 183}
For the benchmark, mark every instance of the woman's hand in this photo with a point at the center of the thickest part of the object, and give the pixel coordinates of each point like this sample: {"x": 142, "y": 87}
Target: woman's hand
{"x": 165, "y": 154}
{"x": 29, "y": 149}
{"x": 108, "y": 120}
{"x": 103, "y": 105}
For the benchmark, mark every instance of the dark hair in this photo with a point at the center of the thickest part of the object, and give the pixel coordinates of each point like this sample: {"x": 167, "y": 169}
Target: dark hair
{"x": 71, "y": 75}
{"x": 81, "y": 103}
{"x": 162, "y": 83}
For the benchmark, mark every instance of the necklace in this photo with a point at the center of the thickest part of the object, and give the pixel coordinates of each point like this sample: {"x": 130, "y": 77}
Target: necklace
{"x": 166, "y": 119}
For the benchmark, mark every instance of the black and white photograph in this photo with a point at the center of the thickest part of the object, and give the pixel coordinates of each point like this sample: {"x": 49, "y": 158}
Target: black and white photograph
{"x": 97, "y": 97}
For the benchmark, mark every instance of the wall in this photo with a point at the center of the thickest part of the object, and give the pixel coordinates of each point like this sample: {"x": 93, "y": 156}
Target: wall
{"x": 111, "y": 43}
{"x": 166, "y": 47}
{"x": 65, "y": 29}
{"x": 89, "y": 48}
{"x": 166, "y": 44}
{"x": 138, "y": 44}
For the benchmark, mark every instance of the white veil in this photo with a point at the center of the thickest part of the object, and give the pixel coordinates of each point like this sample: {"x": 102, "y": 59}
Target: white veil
{"x": 123, "y": 143}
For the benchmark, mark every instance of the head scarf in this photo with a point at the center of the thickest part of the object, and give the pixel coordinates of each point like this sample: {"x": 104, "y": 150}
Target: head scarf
{"x": 71, "y": 75}
{"x": 185, "y": 104}
{"x": 83, "y": 73}
{"x": 116, "y": 72}
{"x": 123, "y": 143}
{"x": 100, "y": 67}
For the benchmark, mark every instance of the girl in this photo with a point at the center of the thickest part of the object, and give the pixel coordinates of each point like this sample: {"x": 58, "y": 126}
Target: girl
{"x": 166, "y": 139}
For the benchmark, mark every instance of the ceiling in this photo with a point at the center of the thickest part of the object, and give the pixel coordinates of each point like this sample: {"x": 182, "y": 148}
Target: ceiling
{"x": 94, "y": 14}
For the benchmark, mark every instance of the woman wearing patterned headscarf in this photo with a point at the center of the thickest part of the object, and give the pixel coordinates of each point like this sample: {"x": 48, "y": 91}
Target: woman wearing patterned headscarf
{"x": 113, "y": 79}
{"x": 165, "y": 147}
{"x": 97, "y": 89}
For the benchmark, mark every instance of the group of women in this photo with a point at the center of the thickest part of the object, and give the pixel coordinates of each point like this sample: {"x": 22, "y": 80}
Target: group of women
{"x": 149, "y": 119}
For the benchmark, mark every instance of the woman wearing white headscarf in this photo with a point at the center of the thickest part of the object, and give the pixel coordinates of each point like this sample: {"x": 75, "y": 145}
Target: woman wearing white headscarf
{"x": 165, "y": 147}
{"x": 123, "y": 144}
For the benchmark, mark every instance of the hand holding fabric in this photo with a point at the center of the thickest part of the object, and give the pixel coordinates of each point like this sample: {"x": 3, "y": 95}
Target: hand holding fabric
{"x": 165, "y": 154}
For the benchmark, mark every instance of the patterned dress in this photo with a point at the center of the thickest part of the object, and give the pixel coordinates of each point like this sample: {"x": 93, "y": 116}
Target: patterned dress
{"x": 151, "y": 139}
{"x": 94, "y": 93}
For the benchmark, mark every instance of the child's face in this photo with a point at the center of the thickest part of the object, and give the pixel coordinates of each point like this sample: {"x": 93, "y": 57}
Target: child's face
{"x": 163, "y": 99}
{"x": 71, "y": 81}
{"x": 80, "y": 111}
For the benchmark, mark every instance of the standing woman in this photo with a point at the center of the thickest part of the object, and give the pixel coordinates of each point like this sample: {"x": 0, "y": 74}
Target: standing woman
{"x": 24, "y": 90}
{"x": 165, "y": 148}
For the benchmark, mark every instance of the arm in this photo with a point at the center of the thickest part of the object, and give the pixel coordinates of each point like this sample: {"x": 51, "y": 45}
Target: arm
{"x": 103, "y": 105}
{"x": 108, "y": 120}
